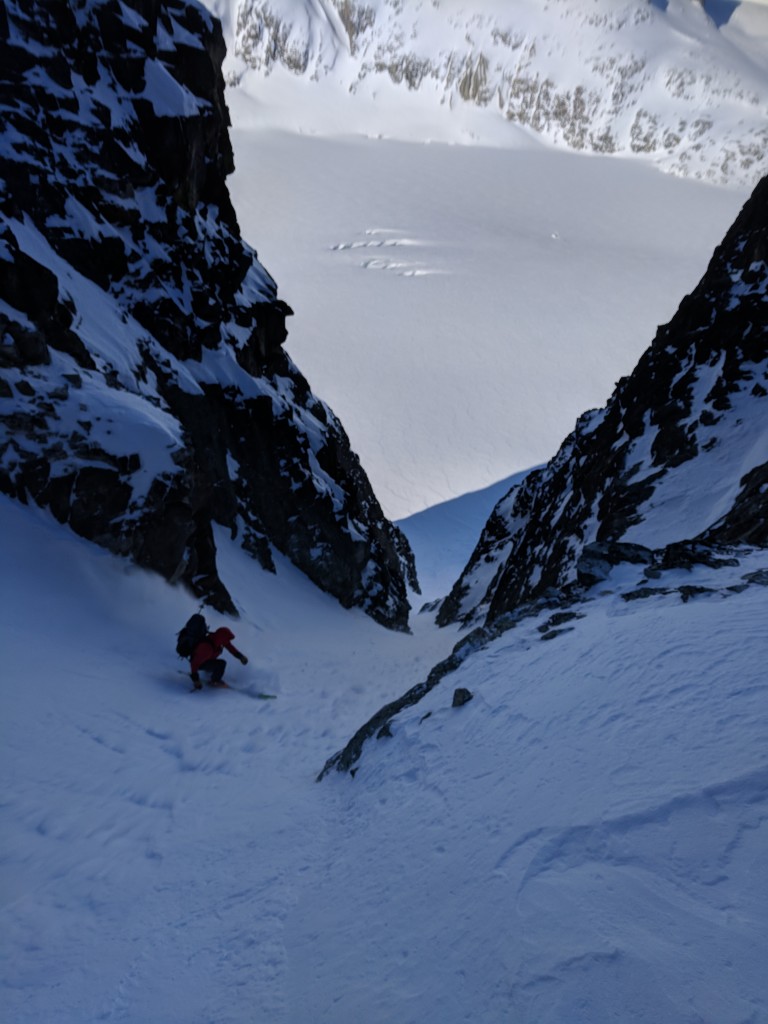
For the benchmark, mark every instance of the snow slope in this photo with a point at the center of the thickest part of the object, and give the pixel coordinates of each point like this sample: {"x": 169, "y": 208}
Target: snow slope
{"x": 582, "y": 840}
{"x": 135, "y": 813}
{"x": 589, "y": 829}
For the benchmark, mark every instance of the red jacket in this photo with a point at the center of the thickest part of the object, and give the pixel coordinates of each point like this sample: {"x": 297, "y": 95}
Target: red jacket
{"x": 212, "y": 647}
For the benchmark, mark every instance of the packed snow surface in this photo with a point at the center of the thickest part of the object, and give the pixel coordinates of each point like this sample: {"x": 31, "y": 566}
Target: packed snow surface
{"x": 584, "y": 839}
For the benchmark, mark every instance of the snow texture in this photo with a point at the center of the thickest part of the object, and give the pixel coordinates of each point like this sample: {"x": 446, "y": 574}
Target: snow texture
{"x": 587, "y": 834}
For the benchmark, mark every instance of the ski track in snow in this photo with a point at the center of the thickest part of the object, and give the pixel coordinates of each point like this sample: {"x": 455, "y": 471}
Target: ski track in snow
{"x": 405, "y": 268}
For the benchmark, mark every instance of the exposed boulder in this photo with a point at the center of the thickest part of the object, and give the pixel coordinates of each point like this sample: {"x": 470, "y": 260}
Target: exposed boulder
{"x": 146, "y": 394}
{"x": 461, "y": 696}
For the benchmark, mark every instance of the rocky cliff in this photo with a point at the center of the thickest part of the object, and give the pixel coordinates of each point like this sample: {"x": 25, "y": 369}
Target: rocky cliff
{"x": 674, "y": 465}
{"x": 145, "y": 394}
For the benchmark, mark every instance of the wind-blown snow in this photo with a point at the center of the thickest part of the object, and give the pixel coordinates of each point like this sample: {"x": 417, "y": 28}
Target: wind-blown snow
{"x": 586, "y": 836}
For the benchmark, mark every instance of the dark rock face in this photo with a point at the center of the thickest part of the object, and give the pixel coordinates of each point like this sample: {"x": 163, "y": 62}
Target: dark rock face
{"x": 678, "y": 456}
{"x": 145, "y": 394}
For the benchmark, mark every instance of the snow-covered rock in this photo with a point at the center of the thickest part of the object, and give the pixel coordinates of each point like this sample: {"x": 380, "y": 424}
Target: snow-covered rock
{"x": 145, "y": 393}
{"x": 679, "y": 81}
{"x": 675, "y": 463}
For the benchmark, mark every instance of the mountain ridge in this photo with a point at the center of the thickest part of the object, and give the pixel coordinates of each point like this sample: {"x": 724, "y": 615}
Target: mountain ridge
{"x": 666, "y": 82}
{"x": 678, "y": 455}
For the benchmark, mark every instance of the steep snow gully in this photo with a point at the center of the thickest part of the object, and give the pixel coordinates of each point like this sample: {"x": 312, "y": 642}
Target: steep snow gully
{"x": 585, "y": 835}
{"x": 557, "y": 810}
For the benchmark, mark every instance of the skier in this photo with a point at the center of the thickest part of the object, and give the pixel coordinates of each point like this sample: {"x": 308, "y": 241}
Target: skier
{"x": 205, "y": 657}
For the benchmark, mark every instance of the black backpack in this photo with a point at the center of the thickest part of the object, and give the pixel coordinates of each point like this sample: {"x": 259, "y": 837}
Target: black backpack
{"x": 191, "y": 635}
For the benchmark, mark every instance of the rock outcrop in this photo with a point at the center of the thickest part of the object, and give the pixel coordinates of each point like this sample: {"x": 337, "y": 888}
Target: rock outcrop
{"x": 676, "y": 463}
{"x": 145, "y": 392}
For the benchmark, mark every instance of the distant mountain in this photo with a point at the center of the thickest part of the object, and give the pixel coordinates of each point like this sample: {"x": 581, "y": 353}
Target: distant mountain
{"x": 145, "y": 394}
{"x": 683, "y": 82}
{"x": 671, "y": 475}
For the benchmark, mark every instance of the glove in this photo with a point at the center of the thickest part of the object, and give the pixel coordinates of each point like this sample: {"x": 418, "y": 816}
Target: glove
{"x": 243, "y": 659}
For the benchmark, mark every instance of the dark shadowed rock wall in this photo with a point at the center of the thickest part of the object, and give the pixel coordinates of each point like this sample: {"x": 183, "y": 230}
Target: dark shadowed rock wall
{"x": 144, "y": 390}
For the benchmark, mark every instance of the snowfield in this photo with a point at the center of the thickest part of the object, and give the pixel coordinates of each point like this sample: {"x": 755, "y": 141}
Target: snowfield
{"x": 679, "y": 83}
{"x": 584, "y": 839}
{"x": 459, "y": 307}
{"x": 459, "y": 304}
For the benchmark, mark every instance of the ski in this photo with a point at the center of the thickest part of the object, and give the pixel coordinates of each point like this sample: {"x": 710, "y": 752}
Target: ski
{"x": 228, "y": 686}
{"x": 236, "y": 689}
{"x": 248, "y": 693}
